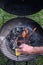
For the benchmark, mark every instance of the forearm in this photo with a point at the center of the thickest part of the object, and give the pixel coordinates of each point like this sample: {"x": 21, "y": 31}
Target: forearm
{"x": 38, "y": 50}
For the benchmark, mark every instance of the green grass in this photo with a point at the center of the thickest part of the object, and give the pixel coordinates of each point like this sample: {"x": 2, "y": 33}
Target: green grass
{"x": 38, "y": 17}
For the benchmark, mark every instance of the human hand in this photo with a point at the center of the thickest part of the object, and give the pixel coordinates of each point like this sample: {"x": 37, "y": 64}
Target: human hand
{"x": 26, "y": 49}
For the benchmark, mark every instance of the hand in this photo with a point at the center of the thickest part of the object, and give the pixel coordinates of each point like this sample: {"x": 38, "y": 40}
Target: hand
{"x": 26, "y": 49}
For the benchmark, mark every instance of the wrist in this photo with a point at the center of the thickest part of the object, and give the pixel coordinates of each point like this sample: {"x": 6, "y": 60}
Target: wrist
{"x": 34, "y": 50}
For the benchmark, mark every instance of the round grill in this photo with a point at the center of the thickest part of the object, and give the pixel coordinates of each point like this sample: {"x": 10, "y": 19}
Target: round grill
{"x": 13, "y": 38}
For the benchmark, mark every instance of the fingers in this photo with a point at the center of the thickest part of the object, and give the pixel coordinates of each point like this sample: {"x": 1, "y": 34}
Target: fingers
{"x": 20, "y": 50}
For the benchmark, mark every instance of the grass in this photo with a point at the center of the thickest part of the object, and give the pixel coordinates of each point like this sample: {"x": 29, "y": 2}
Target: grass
{"x": 38, "y": 17}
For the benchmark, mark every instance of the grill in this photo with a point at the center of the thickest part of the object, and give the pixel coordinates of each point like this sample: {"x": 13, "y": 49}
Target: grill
{"x": 12, "y": 33}
{"x": 20, "y": 30}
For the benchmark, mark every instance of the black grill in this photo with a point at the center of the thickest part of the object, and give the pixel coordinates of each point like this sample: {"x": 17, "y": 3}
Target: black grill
{"x": 13, "y": 30}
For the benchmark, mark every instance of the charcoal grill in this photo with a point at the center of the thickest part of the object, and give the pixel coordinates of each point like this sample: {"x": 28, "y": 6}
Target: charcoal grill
{"x": 19, "y": 24}
{"x": 7, "y": 31}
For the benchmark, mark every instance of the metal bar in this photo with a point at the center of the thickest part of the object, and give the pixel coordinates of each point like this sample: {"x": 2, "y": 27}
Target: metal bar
{"x": 14, "y": 63}
{"x": 33, "y": 62}
{"x": 7, "y": 62}
{"x": 26, "y": 62}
